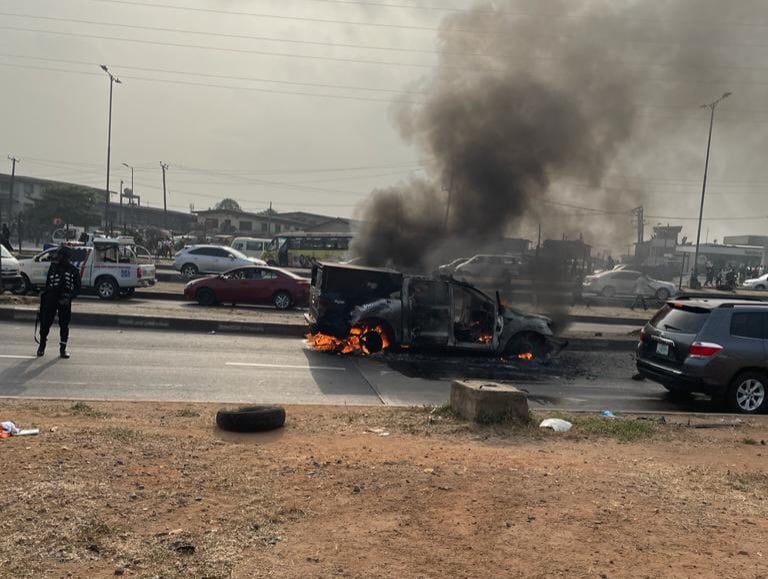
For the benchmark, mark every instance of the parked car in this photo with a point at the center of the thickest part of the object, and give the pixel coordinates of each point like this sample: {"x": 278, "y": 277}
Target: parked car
{"x": 716, "y": 347}
{"x": 251, "y": 285}
{"x": 10, "y": 276}
{"x": 622, "y": 283}
{"x": 450, "y": 267}
{"x": 110, "y": 266}
{"x": 489, "y": 267}
{"x": 758, "y": 283}
{"x": 388, "y": 309}
{"x": 196, "y": 259}
{"x": 250, "y": 246}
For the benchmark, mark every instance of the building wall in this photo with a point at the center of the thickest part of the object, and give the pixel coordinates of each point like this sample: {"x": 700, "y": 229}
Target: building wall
{"x": 246, "y": 224}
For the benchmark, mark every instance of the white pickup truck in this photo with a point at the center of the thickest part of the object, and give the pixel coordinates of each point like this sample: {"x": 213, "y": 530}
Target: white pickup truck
{"x": 110, "y": 266}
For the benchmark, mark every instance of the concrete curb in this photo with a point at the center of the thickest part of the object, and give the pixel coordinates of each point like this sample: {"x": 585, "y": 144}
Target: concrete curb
{"x": 578, "y": 344}
{"x": 163, "y": 323}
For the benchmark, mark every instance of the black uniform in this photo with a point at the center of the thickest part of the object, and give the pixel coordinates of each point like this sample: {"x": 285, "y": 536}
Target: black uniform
{"x": 61, "y": 286}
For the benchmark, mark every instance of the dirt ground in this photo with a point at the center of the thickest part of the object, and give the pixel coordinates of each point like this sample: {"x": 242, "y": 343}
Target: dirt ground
{"x": 156, "y": 491}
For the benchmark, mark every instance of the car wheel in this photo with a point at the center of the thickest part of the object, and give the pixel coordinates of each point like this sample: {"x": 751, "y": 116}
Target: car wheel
{"x": 107, "y": 288}
{"x": 372, "y": 342}
{"x": 25, "y": 287}
{"x": 749, "y": 393}
{"x": 282, "y": 300}
{"x": 760, "y": 287}
{"x": 189, "y": 270}
{"x": 608, "y": 291}
{"x": 205, "y": 296}
{"x": 662, "y": 294}
{"x": 528, "y": 343}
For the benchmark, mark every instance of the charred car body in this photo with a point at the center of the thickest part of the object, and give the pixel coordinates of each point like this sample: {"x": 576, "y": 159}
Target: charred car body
{"x": 384, "y": 308}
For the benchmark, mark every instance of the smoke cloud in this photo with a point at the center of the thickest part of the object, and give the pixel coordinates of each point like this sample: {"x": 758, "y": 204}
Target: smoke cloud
{"x": 532, "y": 105}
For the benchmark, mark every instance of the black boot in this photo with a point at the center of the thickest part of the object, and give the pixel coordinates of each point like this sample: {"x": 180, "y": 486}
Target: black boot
{"x": 41, "y": 349}
{"x": 63, "y": 351}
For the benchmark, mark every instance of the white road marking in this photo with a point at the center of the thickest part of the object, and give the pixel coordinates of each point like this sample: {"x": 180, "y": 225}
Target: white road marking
{"x": 17, "y": 357}
{"x": 286, "y": 366}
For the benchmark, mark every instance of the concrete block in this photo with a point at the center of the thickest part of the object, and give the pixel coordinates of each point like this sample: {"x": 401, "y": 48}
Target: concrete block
{"x": 485, "y": 402}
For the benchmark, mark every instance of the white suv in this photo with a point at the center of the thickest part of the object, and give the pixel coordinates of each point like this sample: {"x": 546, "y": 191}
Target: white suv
{"x": 197, "y": 259}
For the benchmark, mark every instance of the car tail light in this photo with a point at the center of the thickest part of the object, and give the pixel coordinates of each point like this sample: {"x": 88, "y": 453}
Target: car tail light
{"x": 704, "y": 349}
{"x": 642, "y": 335}
{"x": 138, "y": 272}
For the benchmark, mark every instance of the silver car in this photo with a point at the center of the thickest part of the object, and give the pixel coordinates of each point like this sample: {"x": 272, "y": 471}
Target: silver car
{"x": 196, "y": 259}
{"x": 622, "y": 283}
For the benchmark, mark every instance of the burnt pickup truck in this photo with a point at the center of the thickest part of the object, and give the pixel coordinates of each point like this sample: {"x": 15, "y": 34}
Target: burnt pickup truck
{"x": 371, "y": 309}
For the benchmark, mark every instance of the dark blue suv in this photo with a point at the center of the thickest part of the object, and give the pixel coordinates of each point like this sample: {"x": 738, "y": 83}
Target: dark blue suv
{"x": 713, "y": 346}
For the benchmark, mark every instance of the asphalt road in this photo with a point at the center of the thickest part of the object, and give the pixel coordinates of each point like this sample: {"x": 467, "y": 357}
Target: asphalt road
{"x": 173, "y": 366}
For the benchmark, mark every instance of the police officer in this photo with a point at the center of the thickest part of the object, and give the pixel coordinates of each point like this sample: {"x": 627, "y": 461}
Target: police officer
{"x": 61, "y": 286}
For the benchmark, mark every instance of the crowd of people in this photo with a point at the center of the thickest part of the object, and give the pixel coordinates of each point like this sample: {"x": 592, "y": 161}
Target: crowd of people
{"x": 730, "y": 275}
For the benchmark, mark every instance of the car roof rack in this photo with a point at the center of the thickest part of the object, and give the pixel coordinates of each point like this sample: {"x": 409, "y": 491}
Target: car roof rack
{"x": 709, "y": 296}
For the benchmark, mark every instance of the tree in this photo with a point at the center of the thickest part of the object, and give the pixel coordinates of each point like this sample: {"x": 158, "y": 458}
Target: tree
{"x": 72, "y": 204}
{"x": 228, "y": 204}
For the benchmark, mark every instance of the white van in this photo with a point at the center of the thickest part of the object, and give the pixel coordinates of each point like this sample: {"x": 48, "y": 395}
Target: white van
{"x": 250, "y": 246}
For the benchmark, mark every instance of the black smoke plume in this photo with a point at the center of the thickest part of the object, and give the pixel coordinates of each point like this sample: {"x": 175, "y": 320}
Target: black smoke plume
{"x": 528, "y": 98}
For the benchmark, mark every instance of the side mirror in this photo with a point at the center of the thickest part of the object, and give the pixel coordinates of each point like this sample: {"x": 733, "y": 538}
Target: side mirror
{"x": 232, "y": 257}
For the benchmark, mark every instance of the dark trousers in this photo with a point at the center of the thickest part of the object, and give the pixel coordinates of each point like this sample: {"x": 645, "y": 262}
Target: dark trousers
{"x": 639, "y": 300}
{"x": 49, "y": 307}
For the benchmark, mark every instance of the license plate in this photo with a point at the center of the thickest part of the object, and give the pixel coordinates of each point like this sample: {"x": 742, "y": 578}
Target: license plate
{"x": 662, "y": 349}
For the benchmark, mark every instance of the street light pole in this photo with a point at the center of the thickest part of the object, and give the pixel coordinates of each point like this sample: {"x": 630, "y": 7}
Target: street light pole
{"x": 164, "y": 168}
{"x": 694, "y": 283}
{"x": 112, "y": 80}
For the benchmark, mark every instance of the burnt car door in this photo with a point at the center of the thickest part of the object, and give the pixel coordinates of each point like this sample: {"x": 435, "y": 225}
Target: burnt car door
{"x": 427, "y": 312}
{"x": 475, "y": 321}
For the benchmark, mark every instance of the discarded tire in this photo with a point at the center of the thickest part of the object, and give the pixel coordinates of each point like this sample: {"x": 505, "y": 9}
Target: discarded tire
{"x": 251, "y": 418}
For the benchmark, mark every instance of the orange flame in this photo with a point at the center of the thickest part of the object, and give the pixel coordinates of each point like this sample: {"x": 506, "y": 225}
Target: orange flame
{"x": 525, "y": 356}
{"x": 354, "y": 343}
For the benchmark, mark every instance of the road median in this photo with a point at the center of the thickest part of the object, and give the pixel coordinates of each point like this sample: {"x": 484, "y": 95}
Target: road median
{"x": 172, "y": 323}
{"x": 285, "y": 327}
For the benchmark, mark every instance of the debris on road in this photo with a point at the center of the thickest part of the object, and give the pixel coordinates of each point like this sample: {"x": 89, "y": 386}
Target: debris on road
{"x": 9, "y": 428}
{"x": 556, "y": 424}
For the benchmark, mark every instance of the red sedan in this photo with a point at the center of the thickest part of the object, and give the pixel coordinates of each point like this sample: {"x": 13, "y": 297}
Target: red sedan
{"x": 251, "y": 285}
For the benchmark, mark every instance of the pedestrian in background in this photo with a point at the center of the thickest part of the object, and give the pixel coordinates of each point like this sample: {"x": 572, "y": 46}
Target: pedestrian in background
{"x": 643, "y": 291}
{"x": 61, "y": 286}
{"x": 5, "y": 237}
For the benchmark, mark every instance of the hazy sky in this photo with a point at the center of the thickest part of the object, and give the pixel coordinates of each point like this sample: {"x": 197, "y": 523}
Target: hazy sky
{"x": 259, "y": 135}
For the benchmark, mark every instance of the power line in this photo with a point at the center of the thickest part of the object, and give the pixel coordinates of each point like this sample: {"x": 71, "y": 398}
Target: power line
{"x": 242, "y": 171}
{"x": 206, "y": 75}
{"x": 340, "y": 59}
{"x": 224, "y": 49}
{"x": 209, "y": 85}
{"x": 330, "y": 44}
{"x": 219, "y": 34}
{"x": 552, "y": 15}
{"x": 274, "y": 16}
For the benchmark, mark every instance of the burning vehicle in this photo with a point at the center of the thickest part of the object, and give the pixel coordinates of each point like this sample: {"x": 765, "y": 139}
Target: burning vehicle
{"x": 369, "y": 310}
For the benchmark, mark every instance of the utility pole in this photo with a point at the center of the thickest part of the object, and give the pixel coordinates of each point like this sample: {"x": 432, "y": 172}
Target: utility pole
{"x": 164, "y": 167}
{"x": 13, "y": 161}
{"x": 269, "y": 219}
{"x": 120, "y": 215}
{"x": 112, "y": 80}
{"x": 694, "y": 283}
